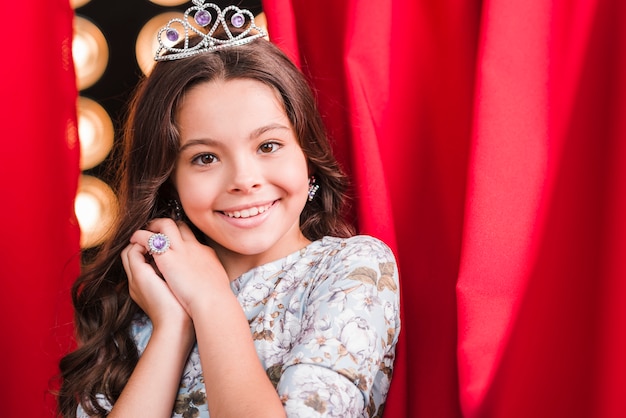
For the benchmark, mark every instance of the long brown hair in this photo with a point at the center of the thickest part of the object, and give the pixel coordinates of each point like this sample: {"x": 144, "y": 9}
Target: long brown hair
{"x": 106, "y": 356}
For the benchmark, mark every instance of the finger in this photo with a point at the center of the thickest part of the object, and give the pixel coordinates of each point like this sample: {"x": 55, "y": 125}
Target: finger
{"x": 124, "y": 257}
{"x": 133, "y": 257}
{"x": 164, "y": 225}
{"x": 137, "y": 265}
{"x": 143, "y": 284}
{"x": 186, "y": 233}
{"x": 141, "y": 237}
{"x": 132, "y": 254}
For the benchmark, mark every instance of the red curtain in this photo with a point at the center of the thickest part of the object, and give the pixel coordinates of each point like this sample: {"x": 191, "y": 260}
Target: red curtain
{"x": 487, "y": 142}
{"x": 39, "y": 173}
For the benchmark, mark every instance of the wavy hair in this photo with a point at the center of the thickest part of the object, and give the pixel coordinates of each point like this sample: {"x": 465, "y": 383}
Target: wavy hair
{"x": 106, "y": 354}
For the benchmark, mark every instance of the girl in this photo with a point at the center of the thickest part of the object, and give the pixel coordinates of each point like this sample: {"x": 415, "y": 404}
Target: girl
{"x": 230, "y": 285}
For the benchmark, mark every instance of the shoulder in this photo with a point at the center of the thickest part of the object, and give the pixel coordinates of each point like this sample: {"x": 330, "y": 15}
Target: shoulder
{"x": 358, "y": 246}
{"x": 361, "y": 258}
{"x": 357, "y": 250}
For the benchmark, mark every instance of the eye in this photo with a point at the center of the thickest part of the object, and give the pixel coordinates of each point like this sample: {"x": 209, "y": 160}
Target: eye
{"x": 269, "y": 147}
{"x": 204, "y": 159}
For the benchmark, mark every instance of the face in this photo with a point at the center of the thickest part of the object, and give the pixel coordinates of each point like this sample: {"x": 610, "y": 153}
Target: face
{"x": 241, "y": 175}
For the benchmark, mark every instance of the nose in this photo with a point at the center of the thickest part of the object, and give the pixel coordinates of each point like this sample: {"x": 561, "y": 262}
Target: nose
{"x": 246, "y": 176}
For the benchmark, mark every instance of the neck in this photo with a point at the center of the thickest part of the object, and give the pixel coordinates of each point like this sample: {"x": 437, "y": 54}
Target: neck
{"x": 236, "y": 264}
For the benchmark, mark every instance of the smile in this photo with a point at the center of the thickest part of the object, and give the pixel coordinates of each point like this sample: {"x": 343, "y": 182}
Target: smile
{"x": 249, "y": 212}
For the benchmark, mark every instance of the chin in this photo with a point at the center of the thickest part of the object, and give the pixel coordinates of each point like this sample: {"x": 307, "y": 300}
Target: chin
{"x": 250, "y": 250}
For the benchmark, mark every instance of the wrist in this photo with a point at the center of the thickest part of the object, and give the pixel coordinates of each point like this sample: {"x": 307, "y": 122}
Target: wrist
{"x": 210, "y": 300}
{"x": 175, "y": 332}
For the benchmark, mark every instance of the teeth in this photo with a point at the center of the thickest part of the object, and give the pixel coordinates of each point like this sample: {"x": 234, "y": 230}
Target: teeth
{"x": 246, "y": 213}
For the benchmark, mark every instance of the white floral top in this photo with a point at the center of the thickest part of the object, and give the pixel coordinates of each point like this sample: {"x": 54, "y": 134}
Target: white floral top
{"x": 325, "y": 322}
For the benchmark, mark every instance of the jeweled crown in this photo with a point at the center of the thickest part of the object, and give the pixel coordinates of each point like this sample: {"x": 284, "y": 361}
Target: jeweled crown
{"x": 207, "y": 19}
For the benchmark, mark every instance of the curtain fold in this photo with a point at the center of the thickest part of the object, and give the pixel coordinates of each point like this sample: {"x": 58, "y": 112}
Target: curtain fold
{"x": 556, "y": 359}
{"x": 508, "y": 185}
{"x": 487, "y": 143}
{"x": 39, "y": 171}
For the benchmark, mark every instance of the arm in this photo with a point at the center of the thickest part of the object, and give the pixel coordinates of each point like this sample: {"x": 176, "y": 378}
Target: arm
{"x": 153, "y": 386}
{"x": 236, "y": 383}
{"x": 154, "y": 382}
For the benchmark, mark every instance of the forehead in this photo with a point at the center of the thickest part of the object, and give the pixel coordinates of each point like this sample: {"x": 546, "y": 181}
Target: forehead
{"x": 237, "y": 89}
{"x": 244, "y": 86}
{"x": 229, "y": 107}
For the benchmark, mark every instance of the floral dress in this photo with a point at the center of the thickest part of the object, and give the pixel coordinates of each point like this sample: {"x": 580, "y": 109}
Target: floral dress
{"x": 325, "y": 322}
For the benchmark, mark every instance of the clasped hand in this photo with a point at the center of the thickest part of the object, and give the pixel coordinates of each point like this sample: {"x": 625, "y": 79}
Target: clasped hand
{"x": 191, "y": 273}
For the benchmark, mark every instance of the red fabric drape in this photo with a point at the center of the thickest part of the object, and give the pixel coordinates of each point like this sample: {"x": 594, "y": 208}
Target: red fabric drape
{"x": 39, "y": 173}
{"x": 487, "y": 140}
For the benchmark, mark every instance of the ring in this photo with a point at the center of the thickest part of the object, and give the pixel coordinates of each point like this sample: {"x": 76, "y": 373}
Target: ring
{"x": 158, "y": 243}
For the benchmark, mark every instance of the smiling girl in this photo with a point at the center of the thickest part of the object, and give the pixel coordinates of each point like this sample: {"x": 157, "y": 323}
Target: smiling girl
{"x": 231, "y": 286}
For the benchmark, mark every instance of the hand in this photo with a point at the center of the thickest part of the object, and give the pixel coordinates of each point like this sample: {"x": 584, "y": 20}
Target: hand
{"x": 150, "y": 292}
{"x": 191, "y": 270}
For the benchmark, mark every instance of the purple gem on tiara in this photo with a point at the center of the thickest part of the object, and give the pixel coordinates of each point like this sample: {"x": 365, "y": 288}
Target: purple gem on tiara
{"x": 237, "y": 20}
{"x": 202, "y": 17}
{"x": 171, "y": 35}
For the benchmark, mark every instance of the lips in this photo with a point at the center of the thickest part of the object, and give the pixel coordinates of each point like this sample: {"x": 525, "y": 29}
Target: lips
{"x": 248, "y": 212}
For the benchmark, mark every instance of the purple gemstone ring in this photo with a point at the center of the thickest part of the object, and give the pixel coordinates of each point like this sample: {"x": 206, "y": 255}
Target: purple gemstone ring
{"x": 158, "y": 243}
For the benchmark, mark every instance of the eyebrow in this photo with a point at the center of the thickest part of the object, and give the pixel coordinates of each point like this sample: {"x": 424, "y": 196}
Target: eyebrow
{"x": 273, "y": 126}
{"x": 254, "y": 134}
{"x": 194, "y": 142}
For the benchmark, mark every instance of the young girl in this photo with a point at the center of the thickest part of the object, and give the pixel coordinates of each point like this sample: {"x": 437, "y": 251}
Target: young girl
{"x": 230, "y": 285}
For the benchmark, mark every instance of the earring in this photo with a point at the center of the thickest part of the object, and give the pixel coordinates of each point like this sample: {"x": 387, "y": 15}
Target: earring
{"x": 177, "y": 211}
{"x": 313, "y": 188}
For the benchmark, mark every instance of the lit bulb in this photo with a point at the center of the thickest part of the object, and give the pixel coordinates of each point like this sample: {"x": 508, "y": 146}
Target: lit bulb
{"x": 95, "y": 131}
{"x": 88, "y": 210}
{"x": 95, "y": 207}
{"x": 89, "y": 51}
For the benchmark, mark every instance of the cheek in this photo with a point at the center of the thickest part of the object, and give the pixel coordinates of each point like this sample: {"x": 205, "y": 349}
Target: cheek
{"x": 193, "y": 193}
{"x": 295, "y": 180}
{"x": 296, "y": 171}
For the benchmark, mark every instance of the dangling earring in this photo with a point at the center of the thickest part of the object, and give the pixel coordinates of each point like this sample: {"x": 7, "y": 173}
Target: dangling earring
{"x": 313, "y": 188}
{"x": 177, "y": 211}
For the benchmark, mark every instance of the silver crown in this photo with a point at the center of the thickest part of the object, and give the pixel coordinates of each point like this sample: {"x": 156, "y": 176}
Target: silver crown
{"x": 203, "y": 15}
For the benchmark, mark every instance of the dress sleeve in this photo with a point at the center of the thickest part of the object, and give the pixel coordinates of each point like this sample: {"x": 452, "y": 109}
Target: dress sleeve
{"x": 102, "y": 401}
{"x": 341, "y": 363}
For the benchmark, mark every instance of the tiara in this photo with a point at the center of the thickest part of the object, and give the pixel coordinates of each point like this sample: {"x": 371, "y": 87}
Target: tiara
{"x": 203, "y": 15}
